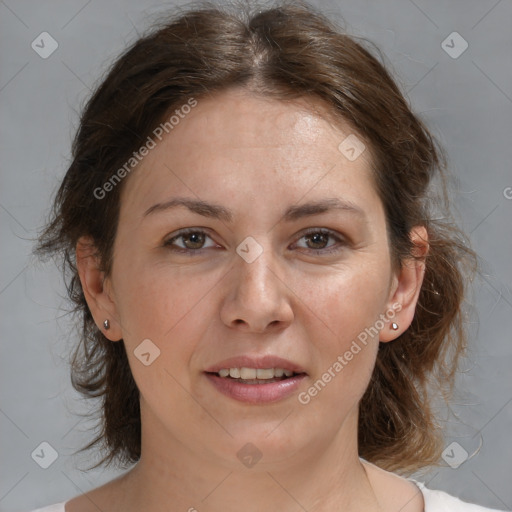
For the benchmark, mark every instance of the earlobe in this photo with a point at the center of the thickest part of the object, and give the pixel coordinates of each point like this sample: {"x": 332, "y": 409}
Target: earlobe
{"x": 407, "y": 287}
{"x": 96, "y": 289}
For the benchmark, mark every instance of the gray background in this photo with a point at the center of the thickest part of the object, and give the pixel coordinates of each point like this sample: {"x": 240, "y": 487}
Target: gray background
{"x": 467, "y": 102}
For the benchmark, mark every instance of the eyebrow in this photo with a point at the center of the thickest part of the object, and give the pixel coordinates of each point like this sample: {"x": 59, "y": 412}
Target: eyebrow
{"x": 293, "y": 213}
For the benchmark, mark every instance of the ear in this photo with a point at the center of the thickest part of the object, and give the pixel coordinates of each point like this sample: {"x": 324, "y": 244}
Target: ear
{"x": 97, "y": 289}
{"x": 406, "y": 287}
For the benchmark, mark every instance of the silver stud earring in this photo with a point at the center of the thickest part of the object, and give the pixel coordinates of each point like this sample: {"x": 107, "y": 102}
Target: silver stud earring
{"x": 106, "y": 324}
{"x": 394, "y": 326}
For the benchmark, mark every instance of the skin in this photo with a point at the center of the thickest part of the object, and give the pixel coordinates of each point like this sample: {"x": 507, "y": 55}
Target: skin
{"x": 255, "y": 156}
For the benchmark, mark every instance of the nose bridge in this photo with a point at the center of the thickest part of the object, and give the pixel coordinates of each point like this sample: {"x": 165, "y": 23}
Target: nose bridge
{"x": 254, "y": 269}
{"x": 257, "y": 295}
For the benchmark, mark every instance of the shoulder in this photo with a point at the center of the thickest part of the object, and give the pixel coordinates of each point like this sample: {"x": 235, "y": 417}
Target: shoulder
{"x": 416, "y": 495}
{"x": 57, "y": 507}
{"x": 440, "y": 501}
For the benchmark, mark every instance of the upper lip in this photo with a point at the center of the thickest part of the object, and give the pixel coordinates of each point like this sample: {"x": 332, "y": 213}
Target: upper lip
{"x": 267, "y": 361}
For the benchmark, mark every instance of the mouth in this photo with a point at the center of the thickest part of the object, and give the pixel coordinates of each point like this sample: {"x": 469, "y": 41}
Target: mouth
{"x": 256, "y": 385}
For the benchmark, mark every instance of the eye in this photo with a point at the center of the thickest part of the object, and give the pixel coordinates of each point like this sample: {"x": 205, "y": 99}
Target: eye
{"x": 193, "y": 239}
{"x": 319, "y": 238}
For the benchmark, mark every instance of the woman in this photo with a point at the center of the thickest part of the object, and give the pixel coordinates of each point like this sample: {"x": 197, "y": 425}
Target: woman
{"x": 266, "y": 295}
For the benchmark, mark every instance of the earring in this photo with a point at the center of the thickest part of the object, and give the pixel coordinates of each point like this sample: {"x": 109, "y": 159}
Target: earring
{"x": 106, "y": 324}
{"x": 394, "y": 326}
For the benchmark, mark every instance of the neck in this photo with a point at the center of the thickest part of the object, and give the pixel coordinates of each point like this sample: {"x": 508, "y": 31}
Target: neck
{"x": 322, "y": 476}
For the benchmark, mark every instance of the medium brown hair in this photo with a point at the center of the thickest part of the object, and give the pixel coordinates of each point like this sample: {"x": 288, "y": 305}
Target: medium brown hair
{"x": 288, "y": 51}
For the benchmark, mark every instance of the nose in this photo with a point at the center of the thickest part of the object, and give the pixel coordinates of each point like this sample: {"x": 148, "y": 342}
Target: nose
{"x": 257, "y": 298}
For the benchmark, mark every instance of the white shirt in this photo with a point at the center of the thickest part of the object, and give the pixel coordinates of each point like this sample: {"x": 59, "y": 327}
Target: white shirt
{"x": 435, "y": 501}
{"x": 438, "y": 501}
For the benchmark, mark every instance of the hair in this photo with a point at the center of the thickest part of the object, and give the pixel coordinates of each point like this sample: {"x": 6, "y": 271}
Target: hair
{"x": 286, "y": 51}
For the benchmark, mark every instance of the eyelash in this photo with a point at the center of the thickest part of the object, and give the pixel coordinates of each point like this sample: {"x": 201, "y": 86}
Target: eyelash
{"x": 187, "y": 231}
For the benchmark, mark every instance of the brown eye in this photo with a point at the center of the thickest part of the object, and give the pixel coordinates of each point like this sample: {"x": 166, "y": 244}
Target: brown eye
{"x": 317, "y": 240}
{"x": 192, "y": 240}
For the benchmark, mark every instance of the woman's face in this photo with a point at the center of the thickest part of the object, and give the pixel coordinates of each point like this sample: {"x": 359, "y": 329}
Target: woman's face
{"x": 250, "y": 281}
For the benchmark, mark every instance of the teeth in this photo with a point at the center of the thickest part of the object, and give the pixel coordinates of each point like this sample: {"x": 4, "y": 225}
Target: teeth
{"x": 234, "y": 372}
{"x": 253, "y": 373}
{"x": 264, "y": 373}
{"x": 247, "y": 373}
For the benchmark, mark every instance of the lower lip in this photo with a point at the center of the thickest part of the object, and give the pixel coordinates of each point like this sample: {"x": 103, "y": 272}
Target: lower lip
{"x": 256, "y": 393}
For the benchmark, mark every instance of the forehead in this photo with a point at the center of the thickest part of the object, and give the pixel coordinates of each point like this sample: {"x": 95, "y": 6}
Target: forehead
{"x": 236, "y": 141}
{"x": 239, "y": 118}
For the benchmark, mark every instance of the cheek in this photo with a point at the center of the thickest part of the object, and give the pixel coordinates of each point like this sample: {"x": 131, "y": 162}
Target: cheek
{"x": 346, "y": 308}
{"x": 345, "y": 302}
{"x": 172, "y": 308}
{"x": 156, "y": 301}
{"x": 166, "y": 307}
